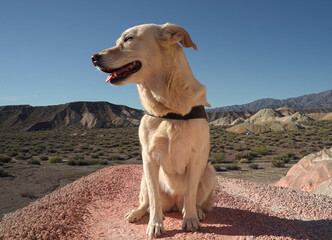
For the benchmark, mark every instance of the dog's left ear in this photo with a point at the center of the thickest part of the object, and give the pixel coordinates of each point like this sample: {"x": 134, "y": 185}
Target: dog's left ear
{"x": 171, "y": 33}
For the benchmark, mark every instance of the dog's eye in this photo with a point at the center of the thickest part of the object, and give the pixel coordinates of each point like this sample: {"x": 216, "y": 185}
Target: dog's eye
{"x": 128, "y": 39}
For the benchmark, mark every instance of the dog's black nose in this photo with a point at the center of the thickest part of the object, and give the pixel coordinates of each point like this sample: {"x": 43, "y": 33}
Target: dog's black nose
{"x": 94, "y": 58}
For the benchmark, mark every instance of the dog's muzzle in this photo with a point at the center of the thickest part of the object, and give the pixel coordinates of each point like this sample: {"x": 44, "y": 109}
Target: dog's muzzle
{"x": 116, "y": 75}
{"x": 94, "y": 59}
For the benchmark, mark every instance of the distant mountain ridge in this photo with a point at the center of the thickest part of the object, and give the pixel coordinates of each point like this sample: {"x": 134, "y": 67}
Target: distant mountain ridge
{"x": 105, "y": 115}
{"x": 73, "y": 115}
{"x": 311, "y": 101}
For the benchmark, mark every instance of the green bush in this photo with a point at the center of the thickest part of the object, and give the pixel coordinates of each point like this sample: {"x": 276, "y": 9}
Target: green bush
{"x": 5, "y": 159}
{"x": 3, "y": 173}
{"x": 113, "y": 157}
{"x": 233, "y": 167}
{"x": 253, "y": 166}
{"x": 102, "y": 162}
{"x": 238, "y": 148}
{"x": 82, "y": 162}
{"x": 261, "y": 150}
{"x": 13, "y": 154}
{"x": 218, "y": 168}
{"x": 303, "y": 153}
{"x": 244, "y": 160}
{"x": 25, "y": 150}
{"x": 43, "y": 158}
{"x": 23, "y": 156}
{"x": 277, "y": 163}
{"x": 34, "y": 162}
{"x": 286, "y": 158}
{"x": 55, "y": 159}
{"x": 291, "y": 156}
{"x": 218, "y": 157}
{"x": 77, "y": 162}
{"x": 247, "y": 155}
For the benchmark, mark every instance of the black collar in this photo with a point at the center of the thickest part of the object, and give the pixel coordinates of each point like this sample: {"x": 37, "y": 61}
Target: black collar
{"x": 195, "y": 113}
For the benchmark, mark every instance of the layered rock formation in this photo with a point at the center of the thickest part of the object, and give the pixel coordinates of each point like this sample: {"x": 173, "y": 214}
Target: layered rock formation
{"x": 311, "y": 172}
{"x": 269, "y": 120}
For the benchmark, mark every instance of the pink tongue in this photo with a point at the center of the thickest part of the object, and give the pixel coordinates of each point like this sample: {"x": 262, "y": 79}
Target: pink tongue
{"x": 109, "y": 78}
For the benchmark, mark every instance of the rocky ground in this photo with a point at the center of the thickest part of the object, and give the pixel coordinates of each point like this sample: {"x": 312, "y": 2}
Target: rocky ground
{"x": 94, "y": 207}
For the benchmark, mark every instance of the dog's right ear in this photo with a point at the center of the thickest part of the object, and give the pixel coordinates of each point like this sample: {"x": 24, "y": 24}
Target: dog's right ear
{"x": 171, "y": 34}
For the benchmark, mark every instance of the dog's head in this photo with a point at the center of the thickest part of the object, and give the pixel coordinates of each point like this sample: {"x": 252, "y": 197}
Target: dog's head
{"x": 139, "y": 53}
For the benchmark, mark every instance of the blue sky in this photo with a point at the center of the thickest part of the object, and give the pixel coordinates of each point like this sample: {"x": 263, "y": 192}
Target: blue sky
{"x": 247, "y": 49}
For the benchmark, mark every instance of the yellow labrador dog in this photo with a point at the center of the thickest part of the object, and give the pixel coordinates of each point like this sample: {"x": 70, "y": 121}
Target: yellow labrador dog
{"x": 174, "y": 132}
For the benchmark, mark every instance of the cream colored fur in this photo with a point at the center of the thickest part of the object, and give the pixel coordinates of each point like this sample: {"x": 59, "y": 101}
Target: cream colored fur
{"x": 175, "y": 152}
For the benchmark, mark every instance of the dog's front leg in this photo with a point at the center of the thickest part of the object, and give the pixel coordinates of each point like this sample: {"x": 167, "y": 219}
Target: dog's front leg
{"x": 190, "y": 218}
{"x": 151, "y": 173}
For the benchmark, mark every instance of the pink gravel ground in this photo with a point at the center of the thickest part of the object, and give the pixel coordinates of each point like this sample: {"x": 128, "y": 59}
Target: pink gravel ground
{"x": 94, "y": 207}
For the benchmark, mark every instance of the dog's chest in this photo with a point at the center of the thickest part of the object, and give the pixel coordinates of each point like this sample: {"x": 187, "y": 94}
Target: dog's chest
{"x": 172, "y": 155}
{"x": 170, "y": 147}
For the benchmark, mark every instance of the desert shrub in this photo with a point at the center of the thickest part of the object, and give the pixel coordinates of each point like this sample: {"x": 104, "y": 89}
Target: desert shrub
{"x": 13, "y": 154}
{"x": 218, "y": 158}
{"x": 247, "y": 155}
{"x": 24, "y": 150}
{"x": 70, "y": 174}
{"x": 34, "y": 162}
{"x": 78, "y": 157}
{"x": 115, "y": 158}
{"x": 91, "y": 162}
{"x": 3, "y": 173}
{"x": 244, "y": 160}
{"x": 82, "y": 162}
{"x": 100, "y": 153}
{"x": 77, "y": 162}
{"x": 261, "y": 150}
{"x": 51, "y": 151}
{"x": 218, "y": 168}
{"x": 43, "y": 158}
{"x": 28, "y": 194}
{"x": 5, "y": 159}
{"x": 23, "y": 156}
{"x": 233, "y": 167}
{"x": 303, "y": 153}
{"x": 277, "y": 163}
{"x": 102, "y": 162}
{"x": 286, "y": 158}
{"x": 85, "y": 147}
{"x": 136, "y": 153}
{"x": 253, "y": 166}
{"x": 291, "y": 156}
{"x": 55, "y": 159}
{"x": 238, "y": 148}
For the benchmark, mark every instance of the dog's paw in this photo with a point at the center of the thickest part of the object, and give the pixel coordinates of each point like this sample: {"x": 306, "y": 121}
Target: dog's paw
{"x": 200, "y": 214}
{"x": 155, "y": 229}
{"x": 191, "y": 224}
{"x": 135, "y": 215}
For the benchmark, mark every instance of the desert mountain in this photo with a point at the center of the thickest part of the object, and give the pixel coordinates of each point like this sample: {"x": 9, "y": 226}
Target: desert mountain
{"x": 75, "y": 115}
{"x": 311, "y": 101}
{"x": 104, "y": 114}
{"x": 282, "y": 119}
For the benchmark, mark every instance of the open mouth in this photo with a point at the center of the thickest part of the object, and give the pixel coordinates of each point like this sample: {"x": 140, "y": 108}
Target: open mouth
{"x": 123, "y": 72}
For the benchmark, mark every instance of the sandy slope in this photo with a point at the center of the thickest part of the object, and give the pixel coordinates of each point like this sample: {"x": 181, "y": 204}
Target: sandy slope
{"x": 93, "y": 207}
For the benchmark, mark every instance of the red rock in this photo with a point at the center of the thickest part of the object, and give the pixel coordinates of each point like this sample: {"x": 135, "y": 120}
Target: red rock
{"x": 309, "y": 172}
